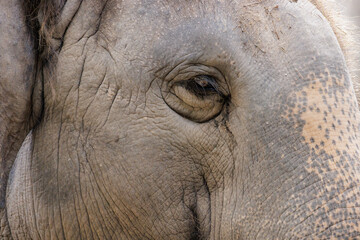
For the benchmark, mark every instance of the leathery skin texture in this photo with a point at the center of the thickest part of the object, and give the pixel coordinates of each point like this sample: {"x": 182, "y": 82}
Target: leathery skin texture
{"x": 117, "y": 153}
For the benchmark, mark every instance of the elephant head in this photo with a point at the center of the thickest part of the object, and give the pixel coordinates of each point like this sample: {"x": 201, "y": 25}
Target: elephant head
{"x": 176, "y": 120}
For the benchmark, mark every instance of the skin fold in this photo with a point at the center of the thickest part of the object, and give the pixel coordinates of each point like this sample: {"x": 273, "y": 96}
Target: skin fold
{"x": 177, "y": 120}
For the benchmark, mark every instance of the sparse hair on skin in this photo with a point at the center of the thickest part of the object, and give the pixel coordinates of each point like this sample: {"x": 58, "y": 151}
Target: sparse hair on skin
{"x": 41, "y": 17}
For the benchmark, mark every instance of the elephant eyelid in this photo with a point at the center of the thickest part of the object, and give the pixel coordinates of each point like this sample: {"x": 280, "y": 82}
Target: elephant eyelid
{"x": 202, "y": 86}
{"x": 197, "y": 92}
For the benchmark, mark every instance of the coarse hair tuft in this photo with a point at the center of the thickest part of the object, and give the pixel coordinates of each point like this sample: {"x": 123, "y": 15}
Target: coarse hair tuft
{"x": 41, "y": 17}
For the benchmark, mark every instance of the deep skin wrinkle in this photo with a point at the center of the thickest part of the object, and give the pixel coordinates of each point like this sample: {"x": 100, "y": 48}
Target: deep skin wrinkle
{"x": 112, "y": 159}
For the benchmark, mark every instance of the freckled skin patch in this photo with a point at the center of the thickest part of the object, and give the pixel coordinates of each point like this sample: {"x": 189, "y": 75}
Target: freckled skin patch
{"x": 305, "y": 154}
{"x": 330, "y": 131}
{"x": 321, "y": 127}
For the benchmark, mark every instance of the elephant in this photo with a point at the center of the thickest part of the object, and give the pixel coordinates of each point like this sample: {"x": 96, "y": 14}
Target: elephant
{"x": 154, "y": 119}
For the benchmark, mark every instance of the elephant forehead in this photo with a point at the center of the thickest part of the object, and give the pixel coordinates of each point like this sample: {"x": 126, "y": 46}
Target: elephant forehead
{"x": 269, "y": 31}
{"x": 257, "y": 20}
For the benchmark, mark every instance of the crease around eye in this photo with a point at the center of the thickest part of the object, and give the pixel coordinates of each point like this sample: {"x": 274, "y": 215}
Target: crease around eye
{"x": 198, "y": 97}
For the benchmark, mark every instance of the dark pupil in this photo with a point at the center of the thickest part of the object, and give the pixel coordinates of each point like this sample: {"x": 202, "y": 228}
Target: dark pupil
{"x": 203, "y": 85}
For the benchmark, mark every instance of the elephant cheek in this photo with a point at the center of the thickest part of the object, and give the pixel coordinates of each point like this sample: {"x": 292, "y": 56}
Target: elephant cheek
{"x": 303, "y": 184}
{"x": 331, "y": 132}
{"x": 329, "y": 113}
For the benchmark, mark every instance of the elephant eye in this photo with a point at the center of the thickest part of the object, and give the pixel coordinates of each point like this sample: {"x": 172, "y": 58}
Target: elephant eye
{"x": 203, "y": 85}
{"x": 198, "y": 98}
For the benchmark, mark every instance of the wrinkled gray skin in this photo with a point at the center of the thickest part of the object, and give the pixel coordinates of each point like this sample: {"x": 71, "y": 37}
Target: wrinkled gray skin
{"x": 121, "y": 146}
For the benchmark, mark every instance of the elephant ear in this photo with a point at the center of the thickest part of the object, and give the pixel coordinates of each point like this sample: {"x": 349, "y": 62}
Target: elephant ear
{"x": 17, "y": 78}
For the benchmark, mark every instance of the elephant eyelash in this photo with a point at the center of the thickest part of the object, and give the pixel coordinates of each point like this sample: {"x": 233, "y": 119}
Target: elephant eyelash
{"x": 202, "y": 86}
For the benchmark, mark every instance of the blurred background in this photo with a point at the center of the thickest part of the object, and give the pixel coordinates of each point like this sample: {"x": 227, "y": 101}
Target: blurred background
{"x": 352, "y": 8}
